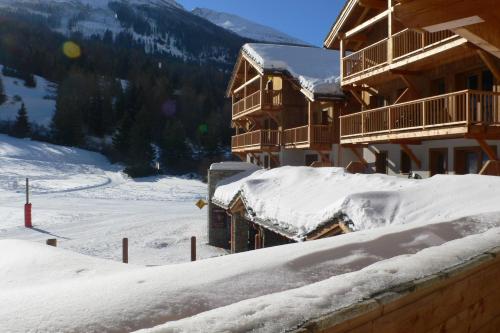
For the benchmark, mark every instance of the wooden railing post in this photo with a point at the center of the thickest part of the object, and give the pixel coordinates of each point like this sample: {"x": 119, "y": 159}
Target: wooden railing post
{"x": 424, "y": 117}
{"x": 467, "y": 108}
{"x": 389, "y": 126}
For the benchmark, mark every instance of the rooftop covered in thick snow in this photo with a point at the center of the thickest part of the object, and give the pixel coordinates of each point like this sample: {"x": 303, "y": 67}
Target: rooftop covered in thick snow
{"x": 296, "y": 201}
{"x": 314, "y": 69}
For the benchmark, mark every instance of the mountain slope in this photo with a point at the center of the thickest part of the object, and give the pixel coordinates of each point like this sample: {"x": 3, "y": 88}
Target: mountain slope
{"x": 246, "y": 28}
{"x": 162, "y": 26}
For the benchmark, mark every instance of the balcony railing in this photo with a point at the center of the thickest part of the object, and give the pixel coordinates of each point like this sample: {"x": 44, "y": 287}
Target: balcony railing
{"x": 372, "y": 56}
{"x": 405, "y": 43}
{"x": 320, "y": 134}
{"x": 270, "y": 99}
{"x": 457, "y": 109}
{"x": 256, "y": 139}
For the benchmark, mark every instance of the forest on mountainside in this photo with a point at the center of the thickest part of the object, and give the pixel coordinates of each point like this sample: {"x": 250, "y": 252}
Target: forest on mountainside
{"x": 153, "y": 107}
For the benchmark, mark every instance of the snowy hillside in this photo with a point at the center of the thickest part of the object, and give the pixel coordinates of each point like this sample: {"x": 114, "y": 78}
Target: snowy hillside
{"x": 40, "y": 101}
{"x": 247, "y": 28}
{"x": 80, "y": 198}
{"x": 161, "y": 26}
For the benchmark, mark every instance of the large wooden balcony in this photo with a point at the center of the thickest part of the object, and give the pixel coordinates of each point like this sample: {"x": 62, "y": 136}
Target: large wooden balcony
{"x": 405, "y": 44}
{"x": 451, "y": 115}
{"x": 256, "y": 141}
{"x": 317, "y": 137}
{"x": 258, "y": 101}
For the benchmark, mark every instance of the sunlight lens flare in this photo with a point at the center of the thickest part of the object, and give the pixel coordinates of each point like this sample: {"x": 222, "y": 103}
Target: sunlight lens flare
{"x": 71, "y": 50}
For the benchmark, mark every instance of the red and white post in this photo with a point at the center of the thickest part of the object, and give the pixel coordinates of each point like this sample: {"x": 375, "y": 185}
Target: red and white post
{"x": 27, "y": 207}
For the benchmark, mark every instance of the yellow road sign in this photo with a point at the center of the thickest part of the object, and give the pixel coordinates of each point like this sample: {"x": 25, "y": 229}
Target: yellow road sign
{"x": 201, "y": 203}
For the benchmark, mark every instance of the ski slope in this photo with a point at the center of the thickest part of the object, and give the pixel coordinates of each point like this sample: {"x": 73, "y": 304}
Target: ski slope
{"x": 89, "y": 205}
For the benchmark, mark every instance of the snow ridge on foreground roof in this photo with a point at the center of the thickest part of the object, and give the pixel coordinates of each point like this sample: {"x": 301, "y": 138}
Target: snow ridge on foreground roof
{"x": 314, "y": 68}
{"x": 267, "y": 290}
{"x": 300, "y": 199}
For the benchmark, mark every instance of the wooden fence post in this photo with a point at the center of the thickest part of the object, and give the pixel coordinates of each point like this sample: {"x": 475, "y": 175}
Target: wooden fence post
{"x": 125, "y": 250}
{"x": 193, "y": 248}
{"x": 52, "y": 242}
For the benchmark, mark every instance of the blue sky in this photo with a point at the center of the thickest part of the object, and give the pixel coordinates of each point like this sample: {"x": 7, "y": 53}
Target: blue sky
{"x": 306, "y": 20}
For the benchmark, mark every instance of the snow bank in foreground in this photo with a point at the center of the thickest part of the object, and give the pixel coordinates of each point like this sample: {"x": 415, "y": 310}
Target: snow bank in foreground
{"x": 315, "y": 68}
{"x": 53, "y": 290}
{"x": 300, "y": 199}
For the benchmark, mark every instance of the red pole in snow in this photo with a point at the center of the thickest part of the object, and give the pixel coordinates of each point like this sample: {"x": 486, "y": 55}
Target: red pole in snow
{"x": 27, "y": 207}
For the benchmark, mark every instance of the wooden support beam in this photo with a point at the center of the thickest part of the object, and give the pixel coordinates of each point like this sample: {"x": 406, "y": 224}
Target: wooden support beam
{"x": 324, "y": 157}
{"x": 359, "y": 156}
{"x": 492, "y": 155}
{"x": 411, "y": 86}
{"x": 401, "y": 96}
{"x": 405, "y": 72}
{"x": 257, "y": 158}
{"x": 274, "y": 158}
{"x": 358, "y": 38}
{"x": 367, "y": 24}
{"x": 410, "y": 153}
{"x": 358, "y": 98}
{"x": 241, "y": 156}
{"x": 376, "y": 4}
{"x": 252, "y": 80}
{"x": 490, "y": 62}
{"x": 275, "y": 118}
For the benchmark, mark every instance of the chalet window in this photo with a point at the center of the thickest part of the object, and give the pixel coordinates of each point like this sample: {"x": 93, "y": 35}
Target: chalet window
{"x": 405, "y": 166}
{"x": 381, "y": 162}
{"x": 438, "y": 161}
{"x": 266, "y": 161}
{"x": 470, "y": 160}
{"x": 438, "y": 87}
{"x": 310, "y": 159}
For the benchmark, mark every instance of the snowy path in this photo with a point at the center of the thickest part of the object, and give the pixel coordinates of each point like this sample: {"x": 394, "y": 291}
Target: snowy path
{"x": 90, "y": 206}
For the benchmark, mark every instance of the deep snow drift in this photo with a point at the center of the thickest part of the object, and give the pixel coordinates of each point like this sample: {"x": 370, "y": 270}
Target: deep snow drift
{"x": 86, "y": 202}
{"x": 300, "y": 199}
{"x": 263, "y": 291}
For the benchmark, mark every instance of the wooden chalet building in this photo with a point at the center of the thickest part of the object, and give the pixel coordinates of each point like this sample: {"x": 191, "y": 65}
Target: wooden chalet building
{"x": 426, "y": 76}
{"x": 285, "y": 104}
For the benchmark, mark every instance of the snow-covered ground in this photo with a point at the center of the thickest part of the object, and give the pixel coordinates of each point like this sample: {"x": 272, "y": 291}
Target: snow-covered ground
{"x": 89, "y": 205}
{"x": 40, "y": 101}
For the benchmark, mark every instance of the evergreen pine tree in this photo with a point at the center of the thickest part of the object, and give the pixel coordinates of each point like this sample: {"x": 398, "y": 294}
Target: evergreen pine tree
{"x": 2, "y": 93}
{"x": 121, "y": 138}
{"x": 141, "y": 153}
{"x": 21, "y": 128}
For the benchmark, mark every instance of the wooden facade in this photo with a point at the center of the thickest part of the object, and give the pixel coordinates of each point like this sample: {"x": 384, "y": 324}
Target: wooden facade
{"x": 419, "y": 71}
{"x": 271, "y": 113}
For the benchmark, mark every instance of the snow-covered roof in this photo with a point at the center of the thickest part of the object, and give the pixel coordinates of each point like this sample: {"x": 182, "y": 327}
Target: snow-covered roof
{"x": 269, "y": 290}
{"x": 315, "y": 69}
{"x": 298, "y": 200}
{"x": 233, "y": 166}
